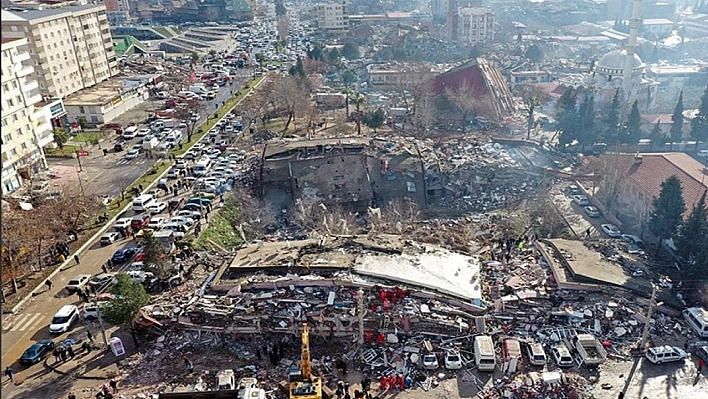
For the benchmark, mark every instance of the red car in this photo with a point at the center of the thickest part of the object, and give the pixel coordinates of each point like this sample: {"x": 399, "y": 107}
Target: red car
{"x": 139, "y": 257}
{"x": 139, "y": 222}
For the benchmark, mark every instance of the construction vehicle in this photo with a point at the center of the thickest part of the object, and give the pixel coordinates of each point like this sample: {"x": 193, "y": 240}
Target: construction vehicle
{"x": 302, "y": 384}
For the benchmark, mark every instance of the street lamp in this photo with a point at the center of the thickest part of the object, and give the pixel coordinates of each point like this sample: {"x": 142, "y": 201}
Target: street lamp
{"x": 100, "y": 323}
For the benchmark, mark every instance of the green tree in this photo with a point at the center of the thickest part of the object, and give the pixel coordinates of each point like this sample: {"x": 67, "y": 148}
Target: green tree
{"x": 350, "y": 50}
{"x": 280, "y": 8}
{"x": 298, "y": 70}
{"x": 155, "y": 257}
{"x": 358, "y": 100}
{"x": 567, "y": 118}
{"x": 612, "y": 121}
{"x": 316, "y": 52}
{"x": 131, "y": 297}
{"x": 692, "y": 240}
{"x": 334, "y": 55}
{"x": 348, "y": 77}
{"x": 534, "y": 53}
{"x": 699, "y": 124}
{"x": 194, "y": 58}
{"x": 586, "y": 113}
{"x": 657, "y": 135}
{"x": 633, "y": 129}
{"x": 261, "y": 59}
{"x": 668, "y": 209}
{"x": 375, "y": 119}
{"x": 677, "y": 122}
{"x": 61, "y": 136}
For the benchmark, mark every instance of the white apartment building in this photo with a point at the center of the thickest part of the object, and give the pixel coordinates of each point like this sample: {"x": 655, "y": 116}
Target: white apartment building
{"x": 70, "y": 47}
{"x": 475, "y": 25}
{"x": 26, "y": 126}
{"x": 333, "y": 17}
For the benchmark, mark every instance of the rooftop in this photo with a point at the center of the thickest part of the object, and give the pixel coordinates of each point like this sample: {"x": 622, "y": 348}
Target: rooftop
{"x": 106, "y": 91}
{"x": 50, "y": 13}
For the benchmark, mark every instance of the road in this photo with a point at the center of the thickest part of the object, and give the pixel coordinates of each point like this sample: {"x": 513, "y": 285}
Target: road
{"x": 31, "y": 324}
{"x": 106, "y": 175}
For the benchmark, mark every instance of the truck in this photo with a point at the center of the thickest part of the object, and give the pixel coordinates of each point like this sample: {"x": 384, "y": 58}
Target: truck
{"x": 149, "y": 145}
{"x": 484, "y": 355}
{"x": 590, "y": 349}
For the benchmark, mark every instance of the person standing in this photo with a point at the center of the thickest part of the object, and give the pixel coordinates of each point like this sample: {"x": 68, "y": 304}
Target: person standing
{"x": 89, "y": 336}
{"x": 49, "y": 284}
{"x": 10, "y": 373}
{"x": 70, "y": 351}
{"x": 76, "y": 259}
{"x": 114, "y": 384}
{"x": 701, "y": 363}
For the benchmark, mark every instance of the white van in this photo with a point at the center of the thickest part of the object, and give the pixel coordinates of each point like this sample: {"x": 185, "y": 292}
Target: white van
{"x": 484, "y": 355}
{"x": 537, "y": 356}
{"x": 697, "y": 318}
{"x": 665, "y": 354}
{"x": 141, "y": 203}
{"x": 64, "y": 319}
{"x": 202, "y": 167}
{"x": 130, "y": 132}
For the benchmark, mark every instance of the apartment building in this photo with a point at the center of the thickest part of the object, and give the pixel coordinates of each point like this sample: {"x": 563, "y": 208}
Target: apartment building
{"x": 26, "y": 127}
{"x": 70, "y": 47}
{"x": 439, "y": 8}
{"x": 475, "y": 25}
{"x": 118, "y": 11}
{"x": 332, "y": 17}
{"x": 696, "y": 25}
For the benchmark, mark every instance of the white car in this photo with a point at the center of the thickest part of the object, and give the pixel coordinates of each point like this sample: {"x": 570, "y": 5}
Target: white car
{"x": 156, "y": 223}
{"x": 122, "y": 223}
{"x": 109, "y": 238}
{"x": 91, "y": 310}
{"x": 132, "y": 154}
{"x": 611, "y": 230}
{"x": 664, "y": 354}
{"x": 453, "y": 361}
{"x": 430, "y": 361}
{"x": 143, "y": 132}
{"x": 78, "y": 283}
{"x": 562, "y": 356}
{"x": 157, "y": 207}
{"x": 140, "y": 276}
{"x": 181, "y": 220}
{"x": 189, "y": 214}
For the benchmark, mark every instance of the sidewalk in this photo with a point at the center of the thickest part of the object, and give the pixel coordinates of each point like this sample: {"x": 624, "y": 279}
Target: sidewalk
{"x": 97, "y": 365}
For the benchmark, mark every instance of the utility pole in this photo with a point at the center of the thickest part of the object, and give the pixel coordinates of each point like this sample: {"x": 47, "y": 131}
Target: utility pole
{"x": 650, "y": 312}
{"x": 100, "y": 323}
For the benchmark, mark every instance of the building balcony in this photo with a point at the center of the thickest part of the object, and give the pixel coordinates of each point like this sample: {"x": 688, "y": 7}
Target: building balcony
{"x": 29, "y": 84}
{"x": 44, "y": 135}
{"x": 24, "y": 56}
{"x": 26, "y": 70}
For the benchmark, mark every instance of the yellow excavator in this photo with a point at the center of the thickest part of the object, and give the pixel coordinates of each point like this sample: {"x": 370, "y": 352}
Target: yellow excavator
{"x": 302, "y": 384}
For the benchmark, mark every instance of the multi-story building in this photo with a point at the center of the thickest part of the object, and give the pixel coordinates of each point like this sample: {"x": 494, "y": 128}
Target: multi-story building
{"x": 439, "y": 8}
{"x": 70, "y": 47}
{"x": 475, "y": 25}
{"x": 333, "y": 17}
{"x": 25, "y": 125}
{"x": 118, "y": 10}
{"x": 696, "y": 25}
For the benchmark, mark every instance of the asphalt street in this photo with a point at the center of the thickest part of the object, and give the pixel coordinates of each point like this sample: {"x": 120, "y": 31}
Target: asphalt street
{"x": 29, "y": 325}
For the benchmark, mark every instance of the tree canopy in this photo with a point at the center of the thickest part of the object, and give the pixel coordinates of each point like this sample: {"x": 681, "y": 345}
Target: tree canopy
{"x": 699, "y": 124}
{"x": 567, "y": 118}
{"x": 633, "y": 128}
{"x": 534, "y": 53}
{"x": 677, "y": 121}
{"x": 668, "y": 209}
{"x": 374, "y": 119}
{"x": 350, "y": 50}
{"x": 130, "y": 297}
{"x": 612, "y": 121}
{"x": 692, "y": 239}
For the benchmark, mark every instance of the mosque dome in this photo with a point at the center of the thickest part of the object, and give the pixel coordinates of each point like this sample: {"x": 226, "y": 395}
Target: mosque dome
{"x": 612, "y": 63}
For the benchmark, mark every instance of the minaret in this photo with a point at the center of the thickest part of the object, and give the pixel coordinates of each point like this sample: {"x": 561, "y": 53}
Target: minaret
{"x": 631, "y": 46}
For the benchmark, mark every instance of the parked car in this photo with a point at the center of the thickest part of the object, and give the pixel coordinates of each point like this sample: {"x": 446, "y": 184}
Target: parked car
{"x": 665, "y": 354}
{"x": 430, "y": 361}
{"x": 132, "y": 154}
{"x": 140, "y": 276}
{"x": 199, "y": 201}
{"x": 453, "y": 361}
{"x": 632, "y": 239}
{"x": 37, "y": 351}
{"x": 102, "y": 279}
{"x": 561, "y": 355}
{"x": 611, "y": 230}
{"x": 702, "y": 352}
{"x": 157, "y": 207}
{"x": 592, "y": 211}
{"x": 109, "y": 238}
{"x": 139, "y": 221}
{"x": 581, "y": 200}
{"x": 123, "y": 254}
{"x": 156, "y": 223}
{"x": 91, "y": 310}
{"x": 78, "y": 283}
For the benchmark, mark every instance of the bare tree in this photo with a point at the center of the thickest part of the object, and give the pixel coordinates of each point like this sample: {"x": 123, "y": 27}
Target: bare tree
{"x": 17, "y": 234}
{"x": 611, "y": 169}
{"x": 462, "y": 99}
{"x": 329, "y": 219}
{"x": 395, "y": 216}
{"x": 293, "y": 95}
{"x": 187, "y": 112}
{"x": 424, "y": 114}
{"x": 254, "y": 216}
{"x": 545, "y": 219}
{"x": 532, "y": 97}
{"x": 74, "y": 208}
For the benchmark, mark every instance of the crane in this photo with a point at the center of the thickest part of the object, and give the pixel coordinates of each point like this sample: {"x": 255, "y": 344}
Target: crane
{"x": 303, "y": 385}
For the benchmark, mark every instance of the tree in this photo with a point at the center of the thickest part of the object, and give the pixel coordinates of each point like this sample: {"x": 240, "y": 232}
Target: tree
{"x": 699, "y": 124}
{"x": 61, "y": 136}
{"x": 677, "y": 122}
{"x": 130, "y": 297}
{"x": 358, "y": 100}
{"x": 534, "y": 53}
{"x": 692, "y": 240}
{"x": 461, "y": 98}
{"x": 280, "y": 8}
{"x": 586, "y": 114}
{"x": 186, "y": 112}
{"x": 155, "y": 257}
{"x": 348, "y": 77}
{"x": 17, "y": 233}
{"x": 292, "y": 95}
{"x": 350, "y": 50}
{"x": 657, "y": 135}
{"x": 668, "y": 209}
{"x": 532, "y": 97}
{"x": 74, "y": 208}
{"x": 375, "y": 119}
{"x": 612, "y": 121}
{"x": 298, "y": 70}
{"x": 611, "y": 169}
{"x": 567, "y": 118}
{"x": 194, "y": 58}
{"x": 334, "y": 55}
{"x": 260, "y": 59}
{"x": 633, "y": 129}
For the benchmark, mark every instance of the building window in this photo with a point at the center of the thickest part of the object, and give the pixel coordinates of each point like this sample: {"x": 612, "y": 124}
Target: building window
{"x": 24, "y": 146}
{"x": 13, "y": 151}
{"x": 18, "y": 131}
{"x": 7, "y": 137}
